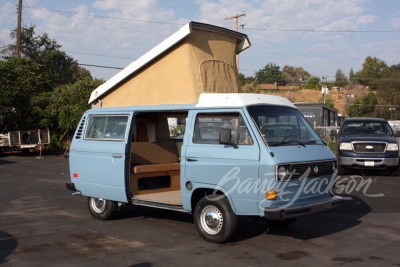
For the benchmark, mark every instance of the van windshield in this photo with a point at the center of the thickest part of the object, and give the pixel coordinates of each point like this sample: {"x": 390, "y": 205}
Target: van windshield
{"x": 366, "y": 127}
{"x": 282, "y": 126}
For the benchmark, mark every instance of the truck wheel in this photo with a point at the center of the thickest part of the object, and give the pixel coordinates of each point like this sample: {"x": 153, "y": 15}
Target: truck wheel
{"x": 102, "y": 209}
{"x": 214, "y": 219}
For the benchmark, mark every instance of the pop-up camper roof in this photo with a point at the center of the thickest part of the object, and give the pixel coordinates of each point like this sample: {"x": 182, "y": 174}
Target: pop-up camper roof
{"x": 199, "y": 58}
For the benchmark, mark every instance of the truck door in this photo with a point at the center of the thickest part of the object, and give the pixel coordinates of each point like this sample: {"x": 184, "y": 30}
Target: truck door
{"x": 233, "y": 170}
{"x": 99, "y": 158}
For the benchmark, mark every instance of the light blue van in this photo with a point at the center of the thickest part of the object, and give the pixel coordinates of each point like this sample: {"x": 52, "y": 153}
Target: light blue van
{"x": 240, "y": 155}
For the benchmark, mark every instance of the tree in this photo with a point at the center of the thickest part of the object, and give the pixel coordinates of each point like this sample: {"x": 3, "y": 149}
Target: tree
{"x": 388, "y": 91}
{"x": 252, "y": 87}
{"x": 295, "y": 74}
{"x": 313, "y": 83}
{"x": 340, "y": 78}
{"x": 351, "y": 76}
{"x": 45, "y": 51}
{"x": 364, "y": 107}
{"x": 21, "y": 81}
{"x": 69, "y": 102}
{"x": 242, "y": 79}
{"x": 270, "y": 74}
{"x": 373, "y": 70}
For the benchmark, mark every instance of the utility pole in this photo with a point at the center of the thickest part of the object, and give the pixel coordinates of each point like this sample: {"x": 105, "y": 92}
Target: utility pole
{"x": 236, "y": 17}
{"x": 19, "y": 29}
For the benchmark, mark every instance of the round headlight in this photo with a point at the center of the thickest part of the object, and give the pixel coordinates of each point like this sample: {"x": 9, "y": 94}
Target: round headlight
{"x": 283, "y": 173}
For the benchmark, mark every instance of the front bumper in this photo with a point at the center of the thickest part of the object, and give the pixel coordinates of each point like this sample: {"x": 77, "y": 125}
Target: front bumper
{"x": 302, "y": 209}
{"x": 355, "y": 162}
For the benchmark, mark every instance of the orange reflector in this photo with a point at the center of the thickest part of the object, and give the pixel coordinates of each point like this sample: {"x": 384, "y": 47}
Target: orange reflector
{"x": 271, "y": 195}
{"x": 76, "y": 175}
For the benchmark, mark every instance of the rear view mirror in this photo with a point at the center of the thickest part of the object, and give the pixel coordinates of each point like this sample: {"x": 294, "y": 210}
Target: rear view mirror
{"x": 334, "y": 132}
{"x": 225, "y": 137}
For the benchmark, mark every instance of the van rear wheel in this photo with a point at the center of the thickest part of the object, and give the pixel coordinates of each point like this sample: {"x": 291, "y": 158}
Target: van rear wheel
{"x": 101, "y": 208}
{"x": 214, "y": 219}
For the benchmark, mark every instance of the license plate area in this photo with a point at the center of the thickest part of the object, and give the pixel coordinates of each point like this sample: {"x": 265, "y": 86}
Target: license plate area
{"x": 369, "y": 163}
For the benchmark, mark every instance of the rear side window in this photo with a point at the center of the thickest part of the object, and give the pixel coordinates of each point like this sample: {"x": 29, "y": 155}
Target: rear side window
{"x": 207, "y": 127}
{"x": 106, "y": 127}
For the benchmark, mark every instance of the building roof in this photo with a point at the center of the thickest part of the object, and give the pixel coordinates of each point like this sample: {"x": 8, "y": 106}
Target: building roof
{"x": 160, "y": 49}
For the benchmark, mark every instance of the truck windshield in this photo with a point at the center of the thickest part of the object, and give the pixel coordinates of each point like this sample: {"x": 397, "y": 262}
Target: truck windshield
{"x": 366, "y": 127}
{"x": 282, "y": 126}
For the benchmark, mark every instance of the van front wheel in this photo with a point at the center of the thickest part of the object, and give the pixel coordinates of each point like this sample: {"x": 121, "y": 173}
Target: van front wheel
{"x": 214, "y": 219}
{"x": 101, "y": 208}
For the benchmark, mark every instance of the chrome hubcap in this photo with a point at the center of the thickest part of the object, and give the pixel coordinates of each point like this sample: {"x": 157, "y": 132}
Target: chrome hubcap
{"x": 98, "y": 204}
{"x": 211, "y": 220}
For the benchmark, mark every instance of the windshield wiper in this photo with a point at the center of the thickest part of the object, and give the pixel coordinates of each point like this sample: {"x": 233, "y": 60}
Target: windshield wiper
{"x": 315, "y": 141}
{"x": 287, "y": 142}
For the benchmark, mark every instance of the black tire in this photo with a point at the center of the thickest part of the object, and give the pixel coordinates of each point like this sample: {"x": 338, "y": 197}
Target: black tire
{"x": 102, "y": 209}
{"x": 284, "y": 223}
{"x": 214, "y": 219}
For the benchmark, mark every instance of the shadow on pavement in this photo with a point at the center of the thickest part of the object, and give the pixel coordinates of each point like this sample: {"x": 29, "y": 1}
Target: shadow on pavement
{"x": 5, "y": 161}
{"x": 8, "y": 244}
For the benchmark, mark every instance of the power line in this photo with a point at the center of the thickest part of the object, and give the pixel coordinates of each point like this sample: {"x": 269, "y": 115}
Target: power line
{"x": 256, "y": 29}
{"x": 326, "y": 31}
{"x": 100, "y": 55}
{"x": 104, "y": 17}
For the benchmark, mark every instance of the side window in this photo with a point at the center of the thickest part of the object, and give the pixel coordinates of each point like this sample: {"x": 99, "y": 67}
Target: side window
{"x": 176, "y": 127}
{"x": 207, "y": 127}
{"x": 106, "y": 127}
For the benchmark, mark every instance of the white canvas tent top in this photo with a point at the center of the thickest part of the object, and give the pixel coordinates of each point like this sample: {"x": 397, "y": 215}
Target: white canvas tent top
{"x": 198, "y": 58}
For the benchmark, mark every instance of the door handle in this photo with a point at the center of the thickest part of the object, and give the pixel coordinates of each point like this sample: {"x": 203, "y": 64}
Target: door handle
{"x": 118, "y": 156}
{"x": 190, "y": 159}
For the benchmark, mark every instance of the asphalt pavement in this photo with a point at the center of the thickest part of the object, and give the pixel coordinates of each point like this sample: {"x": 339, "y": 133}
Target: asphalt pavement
{"x": 42, "y": 224}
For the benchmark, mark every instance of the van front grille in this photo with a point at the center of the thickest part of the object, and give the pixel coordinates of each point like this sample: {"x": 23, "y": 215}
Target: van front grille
{"x": 311, "y": 169}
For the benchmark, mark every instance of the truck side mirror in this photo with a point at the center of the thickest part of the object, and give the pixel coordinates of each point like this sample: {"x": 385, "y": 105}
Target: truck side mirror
{"x": 225, "y": 137}
{"x": 397, "y": 134}
{"x": 334, "y": 132}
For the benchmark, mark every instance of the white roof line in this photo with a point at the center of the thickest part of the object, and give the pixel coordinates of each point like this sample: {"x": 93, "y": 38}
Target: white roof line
{"x": 156, "y": 51}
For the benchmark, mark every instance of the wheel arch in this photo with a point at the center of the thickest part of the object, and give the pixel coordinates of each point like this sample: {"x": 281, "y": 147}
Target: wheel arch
{"x": 200, "y": 192}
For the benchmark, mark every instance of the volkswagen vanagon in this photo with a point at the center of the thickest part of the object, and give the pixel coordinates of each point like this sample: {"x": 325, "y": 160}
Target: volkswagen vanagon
{"x": 240, "y": 155}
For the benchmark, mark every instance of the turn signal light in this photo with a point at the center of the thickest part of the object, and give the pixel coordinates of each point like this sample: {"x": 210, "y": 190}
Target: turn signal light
{"x": 271, "y": 195}
{"x": 75, "y": 175}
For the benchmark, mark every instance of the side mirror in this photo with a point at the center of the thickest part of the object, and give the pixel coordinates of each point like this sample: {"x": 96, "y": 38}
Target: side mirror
{"x": 334, "y": 133}
{"x": 397, "y": 133}
{"x": 225, "y": 137}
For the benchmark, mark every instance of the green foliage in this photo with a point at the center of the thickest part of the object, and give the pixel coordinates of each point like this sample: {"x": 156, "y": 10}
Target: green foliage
{"x": 352, "y": 76}
{"x": 269, "y": 75}
{"x": 340, "y": 78}
{"x": 313, "y": 83}
{"x": 364, "y": 107}
{"x": 291, "y": 73}
{"x": 373, "y": 70}
{"x": 329, "y": 101}
{"x": 69, "y": 102}
{"x": 22, "y": 81}
{"x": 252, "y": 87}
{"x": 332, "y": 143}
{"x": 242, "y": 79}
{"x": 177, "y": 131}
{"x": 389, "y": 93}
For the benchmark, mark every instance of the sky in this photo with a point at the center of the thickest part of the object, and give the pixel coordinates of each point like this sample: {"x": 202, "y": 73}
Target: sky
{"x": 321, "y": 36}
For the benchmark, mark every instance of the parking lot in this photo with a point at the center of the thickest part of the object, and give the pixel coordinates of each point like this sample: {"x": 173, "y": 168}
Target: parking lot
{"x": 41, "y": 224}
